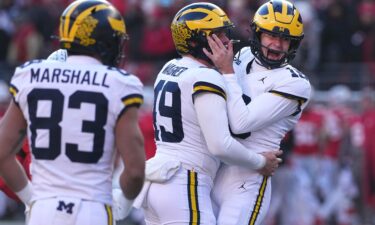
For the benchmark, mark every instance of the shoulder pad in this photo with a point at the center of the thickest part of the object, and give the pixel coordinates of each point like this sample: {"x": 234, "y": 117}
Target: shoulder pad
{"x": 29, "y": 63}
{"x": 27, "y": 66}
{"x": 294, "y": 84}
{"x": 209, "y": 80}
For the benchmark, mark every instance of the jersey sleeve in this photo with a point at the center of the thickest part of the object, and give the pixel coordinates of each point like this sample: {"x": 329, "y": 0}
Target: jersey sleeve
{"x": 297, "y": 88}
{"x": 209, "y": 94}
{"x": 15, "y": 85}
{"x": 19, "y": 80}
{"x": 212, "y": 117}
{"x": 130, "y": 94}
{"x": 286, "y": 99}
{"x": 209, "y": 81}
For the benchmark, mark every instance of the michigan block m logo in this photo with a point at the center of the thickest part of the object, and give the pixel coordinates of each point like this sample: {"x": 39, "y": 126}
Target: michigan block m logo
{"x": 67, "y": 207}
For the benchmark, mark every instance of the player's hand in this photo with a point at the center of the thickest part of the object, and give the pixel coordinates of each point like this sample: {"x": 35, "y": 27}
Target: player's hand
{"x": 221, "y": 54}
{"x": 121, "y": 206}
{"x": 272, "y": 162}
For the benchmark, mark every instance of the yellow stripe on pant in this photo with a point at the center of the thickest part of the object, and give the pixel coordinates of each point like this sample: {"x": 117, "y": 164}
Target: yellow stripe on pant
{"x": 258, "y": 202}
{"x": 193, "y": 198}
{"x": 108, "y": 209}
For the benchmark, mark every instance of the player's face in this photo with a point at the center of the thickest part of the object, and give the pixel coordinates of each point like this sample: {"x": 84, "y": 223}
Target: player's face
{"x": 274, "y": 47}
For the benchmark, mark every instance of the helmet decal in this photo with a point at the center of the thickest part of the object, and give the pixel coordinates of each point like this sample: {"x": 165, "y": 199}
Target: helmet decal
{"x": 281, "y": 30}
{"x": 279, "y": 16}
{"x": 193, "y": 23}
{"x": 93, "y": 27}
{"x": 64, "y": 22}
{"x": 180, "y": 35}
{"x": 263, "y": 11}
{"x": 116, "y": 24}
{"x": 86, "y": 27}
{"x": 70, "y": 34}
{"x": 283, "y": 11}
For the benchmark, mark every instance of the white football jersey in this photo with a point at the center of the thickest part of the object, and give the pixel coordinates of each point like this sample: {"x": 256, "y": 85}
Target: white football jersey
{"x": 71, "y": 109}
{"x": 276, "y": 119}
{"x": 177, "y": 131}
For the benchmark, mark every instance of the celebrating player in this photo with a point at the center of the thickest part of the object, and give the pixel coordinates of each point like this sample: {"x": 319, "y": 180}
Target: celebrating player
{"x": 276, "y": 92}
{"x": 191, "y": 125}
{"x": 75, "y": 113}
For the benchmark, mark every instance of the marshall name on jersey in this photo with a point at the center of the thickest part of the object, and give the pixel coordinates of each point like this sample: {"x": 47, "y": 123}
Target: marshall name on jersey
{"x": 57, "y": 75}
{"x": 71, "y": 110}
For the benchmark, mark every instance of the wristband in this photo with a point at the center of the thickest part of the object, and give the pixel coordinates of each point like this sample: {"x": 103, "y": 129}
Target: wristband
{"x": 121, "y": 205}
{"x": 26, "y": 193}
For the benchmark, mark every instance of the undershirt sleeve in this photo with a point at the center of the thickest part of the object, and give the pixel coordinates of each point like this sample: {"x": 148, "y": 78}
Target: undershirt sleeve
{"x": 212, "y": 117}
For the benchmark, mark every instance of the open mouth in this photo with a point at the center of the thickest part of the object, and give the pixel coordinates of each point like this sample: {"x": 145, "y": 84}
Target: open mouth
{"x": 274, "y": 54}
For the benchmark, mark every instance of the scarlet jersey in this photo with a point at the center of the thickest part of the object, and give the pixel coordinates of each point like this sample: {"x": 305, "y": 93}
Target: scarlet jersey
{"x": 340, "y": 121}
{"x": 307, "y": 132}
{"x": 71, "y": 109}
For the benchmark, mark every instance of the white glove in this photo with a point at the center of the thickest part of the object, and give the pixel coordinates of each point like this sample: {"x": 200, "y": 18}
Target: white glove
{"x": 121, "y": 205}
{"x": 58, "y": 55}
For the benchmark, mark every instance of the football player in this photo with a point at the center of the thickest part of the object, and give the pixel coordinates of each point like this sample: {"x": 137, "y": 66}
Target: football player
{"x": 75, "y": 113}
{"x": 276, "y": 92}
{"x": 191, "y": 126}
{"x": 23, "y": 155}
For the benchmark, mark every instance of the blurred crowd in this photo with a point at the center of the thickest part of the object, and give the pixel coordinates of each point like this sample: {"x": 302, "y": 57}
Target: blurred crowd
{"x": 329, "y": 175}
{"x": 336, "y": 32}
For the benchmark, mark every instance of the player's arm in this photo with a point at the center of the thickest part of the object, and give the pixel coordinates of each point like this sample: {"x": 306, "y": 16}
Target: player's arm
{"x": 212, "y": 116}
{"x": 12, "y": 132}
{"x": 262, "y": 111}
{"x": 129, "y": 143}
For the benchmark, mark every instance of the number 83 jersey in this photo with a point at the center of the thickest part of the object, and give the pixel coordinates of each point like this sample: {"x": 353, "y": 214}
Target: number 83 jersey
{"x": 71, "y": 109}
